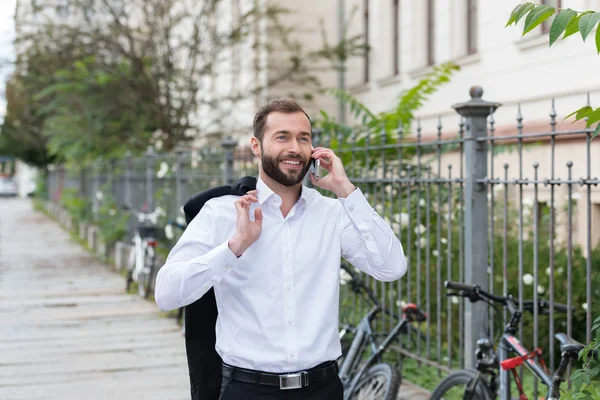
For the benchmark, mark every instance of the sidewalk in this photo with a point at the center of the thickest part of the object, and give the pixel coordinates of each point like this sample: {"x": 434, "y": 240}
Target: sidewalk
{"x": 69, "y": 331}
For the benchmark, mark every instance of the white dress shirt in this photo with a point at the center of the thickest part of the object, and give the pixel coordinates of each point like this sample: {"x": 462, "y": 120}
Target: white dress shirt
{"x": 278, "y": 302}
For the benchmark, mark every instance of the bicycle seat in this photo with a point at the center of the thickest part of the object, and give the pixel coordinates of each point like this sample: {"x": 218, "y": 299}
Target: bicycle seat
{"x": 567, "y": 343}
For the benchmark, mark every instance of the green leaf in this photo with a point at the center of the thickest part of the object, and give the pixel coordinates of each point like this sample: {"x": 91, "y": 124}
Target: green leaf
{"x": 523, "y": 10}
{"x": 593, "y": 136}
{"x": 587, "y": 23}
{"x": 515, "y": 12}
{"x": 581, "y": 113}
{"x": 573, "y": 26}
{"x": 538, "y": 15}
{"x": 598, "y": 40}
{"x": 560, "y": 23}
{"x": 593, "y": 117}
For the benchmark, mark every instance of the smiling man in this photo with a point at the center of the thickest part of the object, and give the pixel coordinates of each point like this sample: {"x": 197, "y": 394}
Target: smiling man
{"x": 273, "y": 258}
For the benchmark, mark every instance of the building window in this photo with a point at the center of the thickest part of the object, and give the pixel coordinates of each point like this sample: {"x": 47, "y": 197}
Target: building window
{"x": 396, "y": 34}
{"x": 547, "y": 23}
{"x": 471, "y": 26}
{"x": 366, "y": 27}
{"x": 430, "y": 33}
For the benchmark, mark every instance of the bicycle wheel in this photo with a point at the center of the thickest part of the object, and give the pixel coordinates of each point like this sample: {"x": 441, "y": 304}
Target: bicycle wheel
{"x": 145, "y": 276}
{"x": 380, "y": 382}
{"x": 454, "y": 385}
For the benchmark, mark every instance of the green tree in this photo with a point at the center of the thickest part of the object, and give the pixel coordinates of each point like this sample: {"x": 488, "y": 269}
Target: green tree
{"x": 566, "y": 21}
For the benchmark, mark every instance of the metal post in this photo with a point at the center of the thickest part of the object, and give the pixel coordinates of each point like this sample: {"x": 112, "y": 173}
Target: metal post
{"x": 95, "y": 200}
{"x": 150, "y": 179}
{"x": 476, "y": 112}
{"x": 179, "y": 179}
{"x": 228, "y": 145}
{"x": 127, "y": 178}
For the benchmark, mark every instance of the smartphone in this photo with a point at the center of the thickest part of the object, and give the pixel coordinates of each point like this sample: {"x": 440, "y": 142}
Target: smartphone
{"x": 315, "y": 164}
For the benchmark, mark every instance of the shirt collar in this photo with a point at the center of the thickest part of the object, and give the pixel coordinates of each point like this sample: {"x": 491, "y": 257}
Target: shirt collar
{"x": 265, "y": 192}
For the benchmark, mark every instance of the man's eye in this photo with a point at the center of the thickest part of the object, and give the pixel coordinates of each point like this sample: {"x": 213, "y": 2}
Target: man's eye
{"x": 282, "y": 137}
{"x": 304, "y": 139}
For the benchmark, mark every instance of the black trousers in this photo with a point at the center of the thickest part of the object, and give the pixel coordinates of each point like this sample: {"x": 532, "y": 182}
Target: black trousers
{"x": 331, "y": 389}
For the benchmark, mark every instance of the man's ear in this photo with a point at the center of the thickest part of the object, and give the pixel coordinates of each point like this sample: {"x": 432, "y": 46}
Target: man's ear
{"x": 255, "y": 146}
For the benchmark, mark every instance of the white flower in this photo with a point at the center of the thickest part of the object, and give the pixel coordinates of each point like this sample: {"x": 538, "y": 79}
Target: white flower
{"x": 387, "y": 220}
{"x": 541, "y": 289}
{"x": 401, "y": 303}
{"x": 528, "y": 202}
{"x": 345, "y": 277}
{"x": 402, "y": 218}
{"x": 379, "y": 209}
{"x": 99, "y": 195}
{"x": 454, "y": 299}
{"x": 388, "y": 189}
{"x": 164, "y": 168}
{"x": 395, "y": 227}
{"x": 435, "y": 253}
{"x": 576, "y": 196}
{"x": 444, "y": 240}
{"x": 560, "y": 270}
{"x": 498, "y": 188}
{"x": 526, "y": 212}
{"x": 421, "y": 243}
{"x": 112, "y": 212}
{"x": 158, "y": 145}
{"x": 420, "y": 229}
{"x": 548, "y": 271}
{"x": 157, "y": 134}
{"x": 160, "y": 212}
{"x": 422, "y": 202}
{"x": 584, "y": 306}
{"x": 528, "y": 279}
{"x": 169, "y": 232}
{"x": 180, "y": 220}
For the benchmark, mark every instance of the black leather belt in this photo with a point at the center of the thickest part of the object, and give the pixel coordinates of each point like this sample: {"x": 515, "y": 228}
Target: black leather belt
{"x": 295, "y": 380}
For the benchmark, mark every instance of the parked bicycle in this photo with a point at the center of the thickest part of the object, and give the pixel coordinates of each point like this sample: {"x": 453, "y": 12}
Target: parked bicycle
{"x": 490, "y": 377}
{"x": 142, "y": 257}
{"x": 363, "y": 373}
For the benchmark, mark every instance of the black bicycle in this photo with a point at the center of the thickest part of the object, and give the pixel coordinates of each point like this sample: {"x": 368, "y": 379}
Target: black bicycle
{"x": 364, "y": 375}
{"x": 490, "y": 377}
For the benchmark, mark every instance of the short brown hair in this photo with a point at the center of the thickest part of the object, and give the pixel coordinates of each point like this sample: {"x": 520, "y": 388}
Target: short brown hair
{"x": 283, "y": 105}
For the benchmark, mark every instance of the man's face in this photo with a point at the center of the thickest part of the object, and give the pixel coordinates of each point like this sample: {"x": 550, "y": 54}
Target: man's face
{"x": 286, "y": 147}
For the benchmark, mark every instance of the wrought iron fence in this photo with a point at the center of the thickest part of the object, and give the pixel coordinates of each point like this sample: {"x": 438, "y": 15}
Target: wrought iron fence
{"x": 505, "y": 211}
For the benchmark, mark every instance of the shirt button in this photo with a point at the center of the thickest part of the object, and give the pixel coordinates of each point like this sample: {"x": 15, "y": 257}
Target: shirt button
{"x": 351, "y": 208}
{"x": 291, "y": 322}
{"x": 288, "y": 287}
{"x": 292, "y": 355}
{"x": 287, "y": 255}
{"x": 367, "y": 238}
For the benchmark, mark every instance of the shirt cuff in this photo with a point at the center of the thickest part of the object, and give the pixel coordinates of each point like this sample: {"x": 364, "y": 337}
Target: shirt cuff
{"x": 221, "y": 260}
{"x": 357, "y": 206}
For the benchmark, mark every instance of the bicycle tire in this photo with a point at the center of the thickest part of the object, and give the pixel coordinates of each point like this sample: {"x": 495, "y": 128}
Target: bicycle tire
{"x": 371, "y": 386}
{"x": 145, "y": 276}
{"x": 460, "y": 378}
{"x": 130, "y": 268}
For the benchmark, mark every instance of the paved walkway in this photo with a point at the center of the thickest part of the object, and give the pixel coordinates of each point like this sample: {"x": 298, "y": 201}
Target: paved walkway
{"x": 68, "y": 330}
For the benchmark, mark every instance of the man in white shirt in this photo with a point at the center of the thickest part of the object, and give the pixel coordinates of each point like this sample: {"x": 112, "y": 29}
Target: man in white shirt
{"x": 273, "y": 258}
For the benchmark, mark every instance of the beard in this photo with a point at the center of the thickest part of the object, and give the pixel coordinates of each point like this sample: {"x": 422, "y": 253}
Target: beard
{"x": 270, "y": 166}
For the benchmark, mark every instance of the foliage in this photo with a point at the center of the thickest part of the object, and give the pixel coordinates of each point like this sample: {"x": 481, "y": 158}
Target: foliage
{"x": 79, "y": 207}
{"x": 569, "y": 22}
{"x": 112, "y": 221}
{"x": 586, "y": 380}
{"x": 96, "y": 77}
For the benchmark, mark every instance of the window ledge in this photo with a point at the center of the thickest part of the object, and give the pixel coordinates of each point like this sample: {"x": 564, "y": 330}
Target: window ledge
{"x": 420, "y": 72}
{"x": 467, "y": 59}
{"x": 389, "y": 80}
{"x": 359, "y": 88}
{"x": 533, "y": 42}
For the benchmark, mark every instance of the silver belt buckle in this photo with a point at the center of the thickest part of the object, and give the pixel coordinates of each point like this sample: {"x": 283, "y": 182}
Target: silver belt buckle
{"x": 293, "y": 381}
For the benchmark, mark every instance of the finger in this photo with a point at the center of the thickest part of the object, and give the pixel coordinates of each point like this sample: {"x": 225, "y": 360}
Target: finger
{"x": 251, "y": 198}
{"x": 313, "y": 180}
{"x": 252, "y": 192}
{"x": 258, "y": 217}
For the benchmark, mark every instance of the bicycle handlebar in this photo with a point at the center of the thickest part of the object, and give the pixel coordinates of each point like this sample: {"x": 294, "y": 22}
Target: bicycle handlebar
{"x": 475, "y": 293}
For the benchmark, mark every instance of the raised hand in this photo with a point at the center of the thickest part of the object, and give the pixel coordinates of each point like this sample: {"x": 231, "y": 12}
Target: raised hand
{"x": 247, "y": 231}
